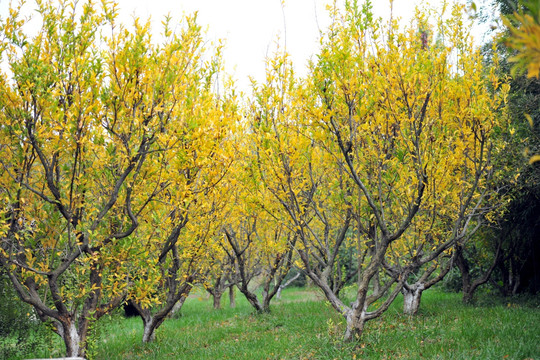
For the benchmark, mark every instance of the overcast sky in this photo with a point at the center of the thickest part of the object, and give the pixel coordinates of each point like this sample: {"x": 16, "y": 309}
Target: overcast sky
{"x": 250, "y": 28}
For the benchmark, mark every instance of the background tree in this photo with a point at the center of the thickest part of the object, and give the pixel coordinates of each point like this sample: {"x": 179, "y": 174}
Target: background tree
{"x": 454, "y": 211}
{"x": 291, "y": 173}
{"x": 517, "y": 176}
{"x": 222, "y": 277}
{"x": 259, "y": 244}
{"x": 518, "y": 226}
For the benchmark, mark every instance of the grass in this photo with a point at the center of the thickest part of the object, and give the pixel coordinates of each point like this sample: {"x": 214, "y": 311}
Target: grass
{"x": 303, "y": 326}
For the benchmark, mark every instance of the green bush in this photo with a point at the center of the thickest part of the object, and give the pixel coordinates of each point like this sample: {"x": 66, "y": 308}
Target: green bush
{"x": 20, "y": 331}
{"x": 452, "y": 281}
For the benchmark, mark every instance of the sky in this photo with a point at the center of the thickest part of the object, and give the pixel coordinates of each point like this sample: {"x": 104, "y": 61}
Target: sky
{"x": 251, "y": 28}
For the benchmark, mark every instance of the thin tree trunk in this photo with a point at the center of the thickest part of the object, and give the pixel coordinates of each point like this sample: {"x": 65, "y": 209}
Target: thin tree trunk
{"x": 283, "y": 286}
{"x": 469, "y": 286}
{"x": 232, "y": 296}
{"x": 463, "y": 266}
{"x": 278, "y": 294}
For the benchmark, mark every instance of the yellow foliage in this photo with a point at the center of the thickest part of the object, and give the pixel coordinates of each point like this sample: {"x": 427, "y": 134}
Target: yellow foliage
{"x": 525, "y": 40}
{"x": 108, "y": 142}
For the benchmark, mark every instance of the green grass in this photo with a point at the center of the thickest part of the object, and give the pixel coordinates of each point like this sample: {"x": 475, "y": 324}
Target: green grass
{"x": 303, "y": 326}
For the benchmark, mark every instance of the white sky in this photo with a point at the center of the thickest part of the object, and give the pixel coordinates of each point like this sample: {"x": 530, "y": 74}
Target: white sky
{"x": 250, "y": 28}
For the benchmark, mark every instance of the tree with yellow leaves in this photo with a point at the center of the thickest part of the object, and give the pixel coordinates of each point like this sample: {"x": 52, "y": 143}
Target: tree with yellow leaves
{"x": 409, "y": 119}
{"x": 524, "y": 28}
{"x": 299, "y": 182}
{"x": 222, "y": 276}
{"x": 524, "y": 40}
{"x": 181, "y": 223}
{"x": 100, "y": 140}
{"x": 255, "y": 236}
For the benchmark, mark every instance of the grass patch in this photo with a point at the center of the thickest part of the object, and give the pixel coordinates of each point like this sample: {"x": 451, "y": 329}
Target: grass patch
{"x": 303, "y": 326}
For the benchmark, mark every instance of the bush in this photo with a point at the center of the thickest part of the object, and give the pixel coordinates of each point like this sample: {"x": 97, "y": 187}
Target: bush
{"x": 20, "y": 331}
{"x": 452, "y": 281}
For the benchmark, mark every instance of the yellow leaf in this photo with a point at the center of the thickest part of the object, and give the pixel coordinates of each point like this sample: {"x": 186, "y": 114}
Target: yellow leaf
{"x": 529, "y": 119}
{"x": 534, "y": 159}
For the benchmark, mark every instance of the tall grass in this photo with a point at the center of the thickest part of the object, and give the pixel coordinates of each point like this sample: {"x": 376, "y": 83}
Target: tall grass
{"x": 303, "y": 326}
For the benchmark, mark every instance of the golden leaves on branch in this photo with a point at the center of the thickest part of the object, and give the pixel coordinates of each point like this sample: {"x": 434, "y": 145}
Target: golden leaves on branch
{"x": 108, "y": 127}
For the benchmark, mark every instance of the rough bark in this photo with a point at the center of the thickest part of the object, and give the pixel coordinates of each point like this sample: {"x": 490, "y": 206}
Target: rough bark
{"x": 360, "y": 315}
{"x": 357, "y": 316}
{"x": 149, "y": 330}
{"x": 355, "y": 325}
{"x": 412, "y": 293}
{"x": 411, "y": 298}
{"x": 232, "y": 296}
{"x": 178, "y": 306}
{"x": 71, "y": 338}
{"x": 151, "y": 322}
{"x": 217, "y": 299}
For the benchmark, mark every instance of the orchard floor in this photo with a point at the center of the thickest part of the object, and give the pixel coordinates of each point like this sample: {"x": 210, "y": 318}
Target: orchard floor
{"x": 303, "y": 326}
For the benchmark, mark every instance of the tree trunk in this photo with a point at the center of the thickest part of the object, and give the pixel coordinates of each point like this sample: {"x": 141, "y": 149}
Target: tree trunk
{"x": 176, "y": 308}
{"x": 516, "y": 271}
{"x": 217, "y": 298}
{"x": 232, "y": 296}
{"x": 469, "y": 286}
{"x": 467, "y": 295}
{"x": 411, "y": 298}
{"x": 463, "y": 267}
{"x": 152, "y": 321}
{"x": 412, "y": 293}
{"x": 253, "y": 300}
{"x": 283, "y": 286}
{"x": 355, "y": 325}
{"x": 506, "y": 279}
{"x": 71, "y": 338}
{"x": 278, "y": 294}
{"x": 149, "y": 333}
{"x": 150, "y": 324}
{"x": 376, "y": 283}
